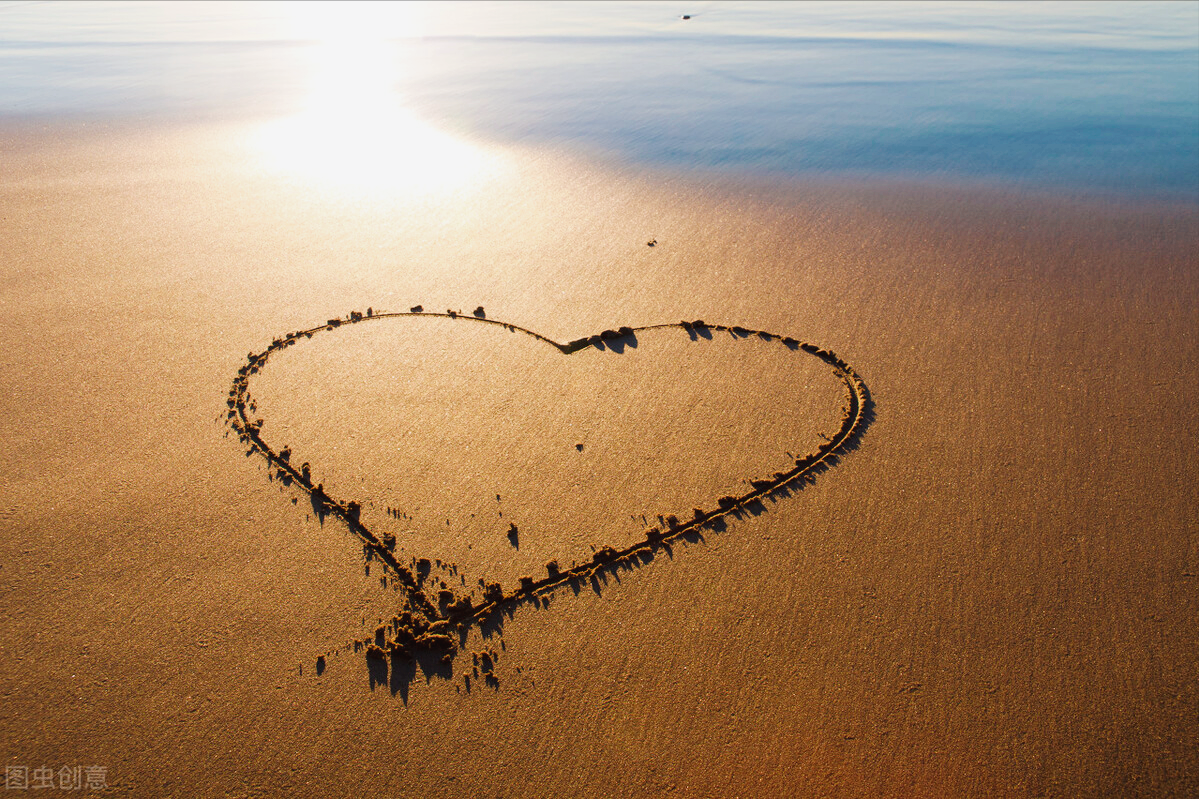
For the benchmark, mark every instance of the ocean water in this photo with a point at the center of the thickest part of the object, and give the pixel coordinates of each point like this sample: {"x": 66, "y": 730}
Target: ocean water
{"x": 1073, "y": 95}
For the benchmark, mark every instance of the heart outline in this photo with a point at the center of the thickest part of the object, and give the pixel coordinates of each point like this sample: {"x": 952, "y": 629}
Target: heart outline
{"x": 432, "y": 632}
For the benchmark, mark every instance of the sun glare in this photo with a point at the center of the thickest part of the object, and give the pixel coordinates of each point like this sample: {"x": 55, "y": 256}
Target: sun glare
{"x": 354, "y": 130}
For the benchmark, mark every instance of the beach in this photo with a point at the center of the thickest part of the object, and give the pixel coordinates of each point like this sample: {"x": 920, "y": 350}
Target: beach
{"x": 990, "y": 595}
{"x": 927, "y": 442}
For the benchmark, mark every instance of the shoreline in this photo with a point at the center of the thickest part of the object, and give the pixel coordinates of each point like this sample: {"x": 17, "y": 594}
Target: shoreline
{"x": 228, "y": 137}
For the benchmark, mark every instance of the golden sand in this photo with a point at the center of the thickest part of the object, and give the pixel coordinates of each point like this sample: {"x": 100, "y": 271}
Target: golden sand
{"x": 991, "y": 594}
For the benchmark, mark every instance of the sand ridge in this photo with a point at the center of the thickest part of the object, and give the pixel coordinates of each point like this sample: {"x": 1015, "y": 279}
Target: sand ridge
{"x": 433, "y": 629}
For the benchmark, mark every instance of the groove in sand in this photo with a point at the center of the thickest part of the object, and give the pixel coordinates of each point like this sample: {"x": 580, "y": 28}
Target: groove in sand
{"x": 424, "y": 627}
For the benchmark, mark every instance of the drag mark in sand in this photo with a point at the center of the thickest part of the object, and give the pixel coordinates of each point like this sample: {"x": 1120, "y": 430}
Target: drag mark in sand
{"x": 432, "y": 631}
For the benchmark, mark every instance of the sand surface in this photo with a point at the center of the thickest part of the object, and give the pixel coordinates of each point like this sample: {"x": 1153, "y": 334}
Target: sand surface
{"x": 993, "y": 594}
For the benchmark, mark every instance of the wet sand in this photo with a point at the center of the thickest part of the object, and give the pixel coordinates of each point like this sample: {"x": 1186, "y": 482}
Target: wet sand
{"x": 991, "y": 594}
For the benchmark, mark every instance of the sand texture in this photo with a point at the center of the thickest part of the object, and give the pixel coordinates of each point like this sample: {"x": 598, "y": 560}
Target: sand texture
{"x": 960, "y": 563}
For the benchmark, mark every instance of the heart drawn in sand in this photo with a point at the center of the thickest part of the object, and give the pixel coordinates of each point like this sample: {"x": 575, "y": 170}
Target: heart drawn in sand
{"x": 435, "y": 625}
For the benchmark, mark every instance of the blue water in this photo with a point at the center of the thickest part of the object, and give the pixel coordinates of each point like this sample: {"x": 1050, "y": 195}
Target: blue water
{"x": 1077, "y": 95}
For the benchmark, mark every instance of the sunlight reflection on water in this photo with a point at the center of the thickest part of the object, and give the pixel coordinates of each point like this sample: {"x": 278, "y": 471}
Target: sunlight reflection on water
{"x": 354, "y": 130}
{"x": 1094, "y": 95}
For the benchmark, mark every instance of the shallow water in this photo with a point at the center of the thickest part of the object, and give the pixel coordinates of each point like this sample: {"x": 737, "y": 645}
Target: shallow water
{"x": 1084, "y": 96}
